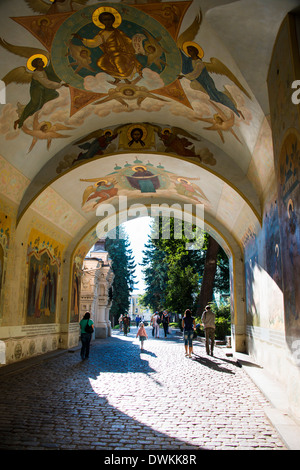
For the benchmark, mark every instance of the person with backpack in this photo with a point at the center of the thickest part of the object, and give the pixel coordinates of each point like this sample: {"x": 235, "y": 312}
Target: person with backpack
{"x": 156, "y": 322}
{"x": 126, "y": 323}
{"x": 165, "y": 321}
{"x": 86, "y": 330}
{"x": 188, "y": 325}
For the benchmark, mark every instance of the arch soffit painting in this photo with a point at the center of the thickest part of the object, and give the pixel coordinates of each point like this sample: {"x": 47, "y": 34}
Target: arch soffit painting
{"x": 135, "y": 179}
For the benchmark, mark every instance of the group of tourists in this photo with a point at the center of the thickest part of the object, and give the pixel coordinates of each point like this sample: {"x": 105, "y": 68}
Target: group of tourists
{"x": 124, "y": 323}
{"x": 188, "y": 326}
{"x": 158, "y": 318}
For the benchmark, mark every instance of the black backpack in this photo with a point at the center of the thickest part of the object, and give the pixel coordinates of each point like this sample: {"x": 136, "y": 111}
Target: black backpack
{"x": 88, "y": 328}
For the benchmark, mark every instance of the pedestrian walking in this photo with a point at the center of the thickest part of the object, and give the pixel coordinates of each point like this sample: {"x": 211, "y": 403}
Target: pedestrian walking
{"x": 208, "y": 319}
{"x": 188, "y": 325}
{"x": 165, "y": 321}
{"x": 142, "y": 334}
{"x": 126, "y": 324}
{"x": 137, "y": 320}
{"x": 86, "y": 330}
{"x": 121, "y": 318}
{"x": 156, "y": 322}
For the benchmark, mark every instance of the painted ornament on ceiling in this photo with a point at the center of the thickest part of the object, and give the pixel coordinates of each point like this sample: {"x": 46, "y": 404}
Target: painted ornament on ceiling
{"x": 138, "y": 137}
{"x": 141, "y": 177}
{"x": 114, "y": 52}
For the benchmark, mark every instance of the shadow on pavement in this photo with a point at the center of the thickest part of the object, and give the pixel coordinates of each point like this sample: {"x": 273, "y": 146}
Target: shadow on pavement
{"x": 212, "y": 364}
{"x": 53, "y": 405}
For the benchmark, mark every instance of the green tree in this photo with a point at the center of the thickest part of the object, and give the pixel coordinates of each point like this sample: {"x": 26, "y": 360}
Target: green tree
{"x": 178, "y": 278}
{"x": 123, "y": 267}
{"x": 170, "y": 268}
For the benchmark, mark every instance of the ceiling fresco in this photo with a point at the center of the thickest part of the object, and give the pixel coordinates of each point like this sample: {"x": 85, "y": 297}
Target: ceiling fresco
{"x": 94, "y": 89}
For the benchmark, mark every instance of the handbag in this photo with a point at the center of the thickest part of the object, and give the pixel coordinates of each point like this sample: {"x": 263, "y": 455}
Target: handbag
{"x": 88, "y": 328}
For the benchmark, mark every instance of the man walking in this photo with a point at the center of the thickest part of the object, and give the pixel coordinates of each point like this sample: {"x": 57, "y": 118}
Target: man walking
{"x": 208, "y": 320}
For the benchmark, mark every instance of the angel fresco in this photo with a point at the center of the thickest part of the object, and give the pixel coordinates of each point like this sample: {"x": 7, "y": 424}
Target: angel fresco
{"x": 43, "y": 81}
{"x": 102, "y": 190}
{"x": 55, "y": 6}
{"x": 128, "y": 92}
{"x": 151, "y": 49}
{"x": 220, "y": 122}
{"x": 81, "y": 56}
{"x": 100, "y": 141}
{"x": 175, "y": 144}
{"x": 198, "y": 72}
{"x": 184, "y": 187}
{"x": 44, "y": 131}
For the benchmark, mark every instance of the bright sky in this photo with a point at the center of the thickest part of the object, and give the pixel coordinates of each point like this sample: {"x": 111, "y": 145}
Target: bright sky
{"x": 138, "y": 231}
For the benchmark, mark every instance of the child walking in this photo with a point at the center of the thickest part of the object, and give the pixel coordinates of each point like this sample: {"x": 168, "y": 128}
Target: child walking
{"x": 142, "y": 334}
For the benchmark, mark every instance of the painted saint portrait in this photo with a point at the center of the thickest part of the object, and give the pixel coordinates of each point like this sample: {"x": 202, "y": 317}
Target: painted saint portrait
{"x": 42, "y": 289}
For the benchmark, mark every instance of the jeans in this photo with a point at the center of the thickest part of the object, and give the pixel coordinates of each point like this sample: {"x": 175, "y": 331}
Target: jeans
{"x": 188, "y": 337}
{"x": 85, "y": 345}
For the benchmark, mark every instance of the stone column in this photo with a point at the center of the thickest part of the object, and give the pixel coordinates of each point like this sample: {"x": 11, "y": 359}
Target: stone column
{"x": 101, "y": 327}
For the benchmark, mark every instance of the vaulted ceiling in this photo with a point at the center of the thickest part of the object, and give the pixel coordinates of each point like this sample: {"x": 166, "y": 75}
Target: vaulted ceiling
{"x": 203, "y": 132}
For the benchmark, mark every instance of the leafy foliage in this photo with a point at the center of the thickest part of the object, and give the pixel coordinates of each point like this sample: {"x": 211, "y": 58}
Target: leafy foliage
{"x": 123, "y": 267}
{"x": 173, "y": 273}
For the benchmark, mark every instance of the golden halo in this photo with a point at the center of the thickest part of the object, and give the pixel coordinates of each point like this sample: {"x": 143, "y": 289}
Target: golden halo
{"x": 137, "y": 126}
{"x": 36, "y": 56}
{"x": 127, "y": 87}
{"x": 183, "y": 180}
{"x": 97, "y": 22}
{"x": 103, "y": 180}
{"x": 194, "y": 44}
{"x": 44, "y": 18}
{"x": 46, "y": 123}
{"x": 139, "y": 166}
{"x": 166, "y": 129}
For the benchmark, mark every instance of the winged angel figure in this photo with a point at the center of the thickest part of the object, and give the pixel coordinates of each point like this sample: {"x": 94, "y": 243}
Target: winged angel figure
{"x": 38, "y": 73}
{"x": 45, "y": 131}
{"x": 198, "y": 72}
{"x": 56, "y": 6}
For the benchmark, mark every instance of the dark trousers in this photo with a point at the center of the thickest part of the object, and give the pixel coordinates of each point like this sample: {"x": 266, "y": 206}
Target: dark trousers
{"x": 165, "y": 325}
{"x": 209, "y": 335}
{"x": 85, "y": 345}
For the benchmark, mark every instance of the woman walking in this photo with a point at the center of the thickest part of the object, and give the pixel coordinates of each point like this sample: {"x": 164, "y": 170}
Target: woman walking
{"x": 188, "y": 325}
{"x": 86, "y": 330}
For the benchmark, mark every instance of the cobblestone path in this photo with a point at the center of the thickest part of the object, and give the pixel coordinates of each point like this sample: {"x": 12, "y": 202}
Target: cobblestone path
{"x": 125, "y": 399}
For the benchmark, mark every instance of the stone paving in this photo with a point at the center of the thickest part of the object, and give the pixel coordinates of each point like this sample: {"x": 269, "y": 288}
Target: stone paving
{"x": 125, "y": 399}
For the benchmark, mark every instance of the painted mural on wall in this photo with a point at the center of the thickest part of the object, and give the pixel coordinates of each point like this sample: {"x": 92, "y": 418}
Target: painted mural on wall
{"x": 137, "y": 137}
{"x": 44, "y": 264}
{"x": 142, "y": 177}
{"x": 5, "y": 236}
{"x": 289, "y": 212}
{"x": 95, "y": 57}
{"x": 263, "y": 272}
